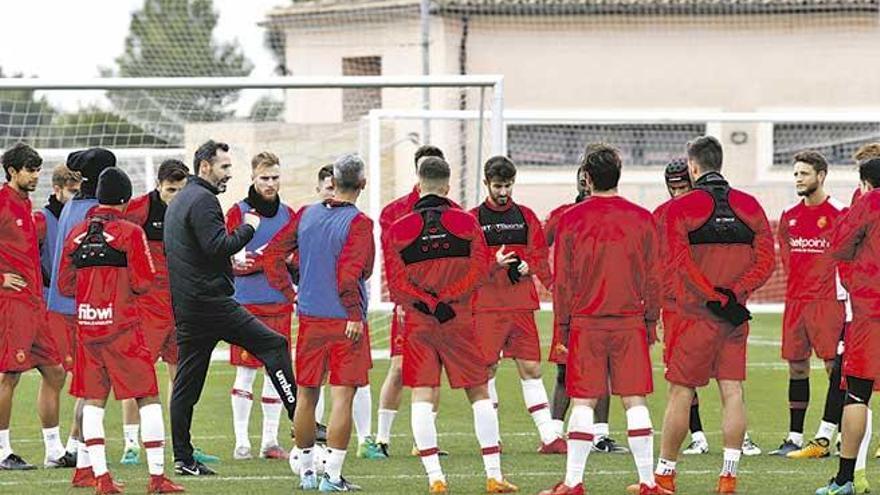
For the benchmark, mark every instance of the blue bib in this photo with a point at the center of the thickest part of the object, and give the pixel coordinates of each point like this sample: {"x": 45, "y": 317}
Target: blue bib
{"x": 255, "y": 288}
{"x": 74, "y": 212}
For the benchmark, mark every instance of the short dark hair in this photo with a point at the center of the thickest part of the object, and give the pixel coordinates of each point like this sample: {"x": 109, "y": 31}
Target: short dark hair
{"x": 62, "y": 176}
{"x": 208, "y": 152}
{"x": 172, "y": 170}
{"x": 20, "y": 156}
{"x": 707, "y": 152}
{"x": 427, "y": 150}
{"x": 324, "y": 172}
{"x": 812, "y": 158}
{"x": 434, "y": 168}
{"x": 499, "y": 167}
{"x": 869, "y": 171}
{"x": 602, "y": 164}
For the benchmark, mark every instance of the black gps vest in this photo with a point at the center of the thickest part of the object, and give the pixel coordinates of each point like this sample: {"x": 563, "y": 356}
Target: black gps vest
{"x": 434, "y": 241}
{"x": 155, "y": 223}
{"x": 94, "y": 250}
{"x": 723, "y": 226}
{"x": 507, "y": 227}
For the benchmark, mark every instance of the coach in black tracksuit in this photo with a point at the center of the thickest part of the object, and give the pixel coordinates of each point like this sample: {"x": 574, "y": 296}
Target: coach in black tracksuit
{"x": 198, "y": 250}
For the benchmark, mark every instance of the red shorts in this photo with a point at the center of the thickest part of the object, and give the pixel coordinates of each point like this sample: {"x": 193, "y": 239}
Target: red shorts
{"x": 157, "y": 323}
{"x": 123, "y": 363}
{"x": 811, "y": 325}
{"x": 602, "y": 353}
{"x": 24, "y": 339}
{"x": 62, "y": 330}
{"x": 671, "y": 322}
{"x": 275, "y": 316}
{"x": 861, "y": 355}
{"x": 430, "y": 346}
{"x": 510, "y": 334}
{"x": 321, "y": 346}
{"x": 559, "y": 345}
{"x": 397, "y": 335}
{"x": 700, "y": 350}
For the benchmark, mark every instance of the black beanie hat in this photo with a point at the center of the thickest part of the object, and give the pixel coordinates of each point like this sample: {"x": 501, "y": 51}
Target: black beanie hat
{"x": 90, "y": 163}
{"x": 114, "y": 187}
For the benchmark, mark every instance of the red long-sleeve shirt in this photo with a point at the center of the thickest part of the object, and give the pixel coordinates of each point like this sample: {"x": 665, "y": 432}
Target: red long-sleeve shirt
{"x": 667, "y": 274}
{"x": 19, "y": 246}
{"x": 235, "y": 219}
{"x": 391, "y": 213}
{"x": 552, "y": 222}
{"x": 454, "y": 257}
{"x": 524, "y": 237}
{"x": 742, "y": 268}
{"x": 804, "y": 234}
{"x": 138, "y": 213}
{"x": 606, "y": 258}
{"x": 857, "y": 239}
{"x": 355, "y": 261}
{"x": 106, "y": 295}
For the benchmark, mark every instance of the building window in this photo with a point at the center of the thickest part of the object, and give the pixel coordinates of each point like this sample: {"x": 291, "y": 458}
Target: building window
{"x": 836, "y": 140}
{"x": 562, "y": 145}
{"x": 357, "y": 102}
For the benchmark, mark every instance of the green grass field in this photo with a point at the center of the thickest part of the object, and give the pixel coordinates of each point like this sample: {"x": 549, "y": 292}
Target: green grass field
{"x": 766, "y": 394}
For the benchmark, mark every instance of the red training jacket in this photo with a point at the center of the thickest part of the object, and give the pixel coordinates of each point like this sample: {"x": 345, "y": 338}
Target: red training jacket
{"x": 20, "y": 253}
{"x": 234, "y": 219}
{"x": 606, "y": 258}
{"x": 442, "y": 262}
{"x": 667, "y": 274}
{"x": 105, "y": 295}
{"x": 521, "y": 234}
{"x": 137, "y": 212}
{"x": 391, "y": 213}
{"x": 552, "y": 222}
{"x": 742, "y": 268}
{"x": 857, "y": 239}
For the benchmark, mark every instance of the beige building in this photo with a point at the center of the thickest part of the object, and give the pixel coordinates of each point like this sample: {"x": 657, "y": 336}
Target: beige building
{"x": 572, "y": 57}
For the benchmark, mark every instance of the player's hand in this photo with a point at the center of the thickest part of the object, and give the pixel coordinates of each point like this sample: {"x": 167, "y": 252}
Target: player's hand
{"x": 252, "y": 219}
{"x": 504, "y": 258}
{"x": 13, "y": 281}
{"x": 523, "y": 268}
{"x": 354, "y": 330}
{"x": 243, "y": 265}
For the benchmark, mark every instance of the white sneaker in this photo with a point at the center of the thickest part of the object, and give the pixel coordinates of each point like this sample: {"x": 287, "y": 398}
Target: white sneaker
{"x": 697, "y": 447}
{"x": 242, "y": 453}
{"x": 749, "y": 447}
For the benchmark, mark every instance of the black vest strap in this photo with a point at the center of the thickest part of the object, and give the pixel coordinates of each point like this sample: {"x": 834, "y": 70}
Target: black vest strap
{"x": 507, "y": 227}
{"x": 723, "y": 226}
{"x": 435, "y": 241}
{"x": 155, "y": 224}
{"x": 94, "y": 250}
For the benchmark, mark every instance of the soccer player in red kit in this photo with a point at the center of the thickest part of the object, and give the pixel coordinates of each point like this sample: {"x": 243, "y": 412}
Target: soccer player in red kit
{"x": 154, "y": 307}
{"x": 104, "y": 264}
{"x": 436, "y": 257}
{"x": 720, "y": 241}
{"x": 24, "y": 339}
{"x": 269, "y": 305}
{"x": 505, "y": 305}
{"x": 333, "y": 339}
{"x": 390, "y": 395}
{"x": 856, "y": 240}
{"x": 814, "y": 300}
{"x": 607, "y": 292}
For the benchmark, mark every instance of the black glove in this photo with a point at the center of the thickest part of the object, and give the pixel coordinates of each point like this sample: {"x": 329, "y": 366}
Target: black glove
{"x": 443, "y": 312}
{"x": 423, "y": 307}
{"x": 733, "y": 312}
{"x": 513, "y": 270}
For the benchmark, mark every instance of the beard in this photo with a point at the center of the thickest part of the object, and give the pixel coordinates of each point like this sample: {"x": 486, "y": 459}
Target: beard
{"x": 808, "y": 191}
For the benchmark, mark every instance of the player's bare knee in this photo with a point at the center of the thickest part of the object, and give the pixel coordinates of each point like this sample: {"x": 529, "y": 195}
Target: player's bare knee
{"x": 731, "y": 392}
{"x": 9, "y": 380}
{"x": 799, "y": 370}
{"x": 53, "y": 376}
{"x": 529, "y": 370}
{"x": 146, "y": 401}
{"x": 480, "y": 392}
{"x": 633, "y": 401}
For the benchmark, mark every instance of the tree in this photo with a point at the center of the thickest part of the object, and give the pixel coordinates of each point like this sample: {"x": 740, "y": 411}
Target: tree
{"x": 93, "y": 126}
{"x": 174, "y": 38}
{"x": 22, "y": 115}
{"x": 267, "y": 109}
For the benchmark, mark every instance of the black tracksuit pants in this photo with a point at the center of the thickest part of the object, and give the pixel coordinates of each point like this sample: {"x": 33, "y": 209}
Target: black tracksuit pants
{"x": 197, "y": 335}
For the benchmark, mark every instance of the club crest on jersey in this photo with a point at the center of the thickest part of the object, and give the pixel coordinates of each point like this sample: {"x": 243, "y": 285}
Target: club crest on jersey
{"x": 792, "y": 222}
{"x": 20, "y": 356}
{"x": 822, "y": 222}
{"x": 92, "y": 316}
{"x": 19, "y": 222}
